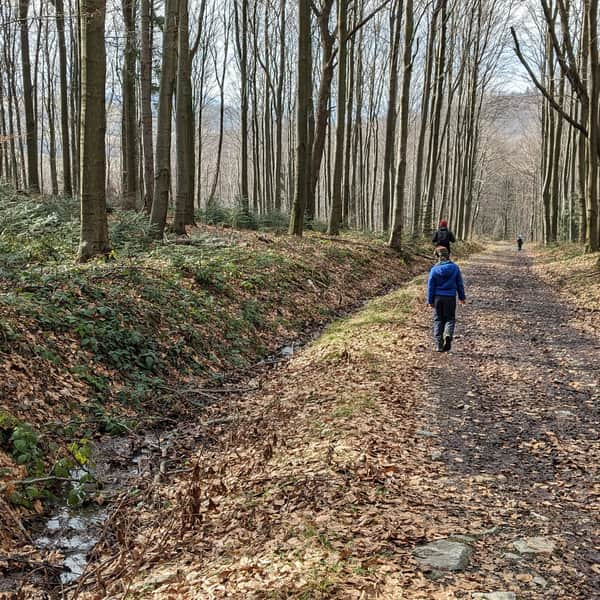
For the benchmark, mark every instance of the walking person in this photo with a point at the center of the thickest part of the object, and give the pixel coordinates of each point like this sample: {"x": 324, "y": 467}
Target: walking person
{"x": 444, "y": 283}
{"x": 520, "y": 242}
{"x": 443, "y": 236}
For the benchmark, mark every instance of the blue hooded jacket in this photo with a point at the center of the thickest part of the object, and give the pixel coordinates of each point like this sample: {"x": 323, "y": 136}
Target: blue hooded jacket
{"x": 445, "y": 279}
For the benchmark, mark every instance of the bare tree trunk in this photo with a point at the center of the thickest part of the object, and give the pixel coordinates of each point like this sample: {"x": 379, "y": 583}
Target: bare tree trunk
{"x": 184, "y": 127}
{"x": 335, "y": 212}
{"x": 75, "y": 95}
{"x": 4, "y": 136}
{"x": 64, "y": 98}
{"x": 591, "y": 16}
{"x": 221, "y": 84}
{"x": 30, "y": 120}
{"x": 419, "y": 161}
{"x": 51, "y": 112}
{"x": 241, "y": 29}
{"x": 390, "y": 124}
{"x": 94, "y": 226}
{"x": 162, "y": 177}
{"x": 434, "y": 136}
{"x": 398, "y": 213}
{"x": 279, "y": 108}
{"x": 146, "y": 103}
{"x": 129, "y": 143}
{"x": 324, "y": 95}
{"x": 348, "y": 132}
{"x": 304, "y": 94}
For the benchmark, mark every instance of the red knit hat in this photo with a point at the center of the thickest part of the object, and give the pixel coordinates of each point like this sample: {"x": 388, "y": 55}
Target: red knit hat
{"x": 443, "y": 223}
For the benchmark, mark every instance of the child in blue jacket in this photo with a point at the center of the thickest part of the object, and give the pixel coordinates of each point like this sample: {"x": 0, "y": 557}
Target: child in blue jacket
{"x": 444, "y": 283}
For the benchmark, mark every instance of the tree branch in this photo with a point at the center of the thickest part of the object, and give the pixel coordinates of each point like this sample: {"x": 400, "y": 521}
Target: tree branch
{"x": 362, "y": 23}
{"x": 569, "y": 69}
{"x": 542, "y": 89}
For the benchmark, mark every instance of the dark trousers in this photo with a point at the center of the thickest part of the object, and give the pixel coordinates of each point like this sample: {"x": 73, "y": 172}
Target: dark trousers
{"x": 444, "y": 317}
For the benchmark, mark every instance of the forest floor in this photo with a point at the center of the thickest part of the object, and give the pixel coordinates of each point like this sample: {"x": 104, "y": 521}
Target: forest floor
{"x": 328, "y": 474}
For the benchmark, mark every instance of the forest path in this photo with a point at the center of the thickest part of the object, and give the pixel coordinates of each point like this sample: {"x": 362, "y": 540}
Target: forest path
{"x": 333, "y": 475}
{"x": 515, "y": 413}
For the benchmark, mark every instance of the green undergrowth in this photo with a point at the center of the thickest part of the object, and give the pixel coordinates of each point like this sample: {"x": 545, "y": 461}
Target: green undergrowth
{"x": 105, "y": 345}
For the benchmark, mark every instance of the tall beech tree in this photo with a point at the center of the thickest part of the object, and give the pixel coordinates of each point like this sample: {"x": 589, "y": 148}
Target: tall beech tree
{"x": 28, "y": 100}
{"x": 94, "y": 226}
{"x": 162, "y": 168}
{"x": 129, "y": 129}
{"x": 303, "y": 95}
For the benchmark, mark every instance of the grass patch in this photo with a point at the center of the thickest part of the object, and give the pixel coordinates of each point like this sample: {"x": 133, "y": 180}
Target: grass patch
{"x": 355, "y": 406}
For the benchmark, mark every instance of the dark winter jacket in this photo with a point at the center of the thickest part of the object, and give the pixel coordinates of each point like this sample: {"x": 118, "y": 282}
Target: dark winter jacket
{"x": 445, "y": 279}
{"x": 442, "y": 237}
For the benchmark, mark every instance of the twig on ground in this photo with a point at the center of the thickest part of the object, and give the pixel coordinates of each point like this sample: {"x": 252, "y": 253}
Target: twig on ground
{"x": 32, "y": 563}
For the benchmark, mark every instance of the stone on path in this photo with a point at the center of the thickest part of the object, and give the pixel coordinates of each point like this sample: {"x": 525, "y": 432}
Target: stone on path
{"x": 534, "y": 545}
{"x": 509, "y": 556}
{"x": 443, "y": 554}
{"x": 424, "y": 433}
{"x": 495, "y": 596}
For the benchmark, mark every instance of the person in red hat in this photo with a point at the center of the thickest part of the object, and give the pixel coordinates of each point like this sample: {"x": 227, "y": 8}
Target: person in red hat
{"x": 443, "y": 236}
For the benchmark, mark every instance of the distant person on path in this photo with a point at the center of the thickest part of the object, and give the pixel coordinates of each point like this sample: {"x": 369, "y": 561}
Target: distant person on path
{"x": 443, "y": 236}
{"x": 444, "y": 283}
{"x": 520, "y": 242}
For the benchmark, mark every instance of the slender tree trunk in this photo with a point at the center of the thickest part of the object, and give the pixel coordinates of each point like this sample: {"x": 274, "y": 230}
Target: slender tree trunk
{"x": 419, "y": 160}
{"x": 162, "y": 170}
{"x": 335, "y": 213}
{"x": 28, "y": 92}
{"x": 51, "y": 112}
{"x": 434, "y": 136}
{"x": 591, "y": 16}
{"x": 324, "y": 95}
{"x": 304, "y": 93}
{"x": 184, "y": 126}
{"x": 94, "y": 226}
{"x": 398, "y": 213}
{"x": 146, "y": 102}
{"x": 74, "y": 96}
{"x": 221, "y": 84}
{"x": 390, "y": 123}
{"x": 279, "y": 107}
{"x": 241, "y": 29}
{"x": 129, "y": 143}
{"x": 64, "y": 98}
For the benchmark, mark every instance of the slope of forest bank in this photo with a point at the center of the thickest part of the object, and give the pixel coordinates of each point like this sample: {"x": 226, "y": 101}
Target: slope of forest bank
{"x": 109, "y": 346}
{"x": 575, "y": 273}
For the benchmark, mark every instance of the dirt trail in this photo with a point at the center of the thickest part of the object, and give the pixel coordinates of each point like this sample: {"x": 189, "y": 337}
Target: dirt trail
{"x": 367, "y": 445}
{"x": 515, "y": 407}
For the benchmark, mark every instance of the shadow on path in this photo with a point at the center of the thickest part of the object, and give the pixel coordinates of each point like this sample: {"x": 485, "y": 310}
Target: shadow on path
{"x": 517, "y": 402}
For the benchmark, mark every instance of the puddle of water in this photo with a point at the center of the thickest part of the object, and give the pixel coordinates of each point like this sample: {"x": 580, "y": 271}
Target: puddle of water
{"x": 73, "y": 532}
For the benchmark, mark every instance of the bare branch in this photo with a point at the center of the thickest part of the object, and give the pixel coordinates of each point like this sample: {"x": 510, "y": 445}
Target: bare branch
{"x": 542, "y": 89}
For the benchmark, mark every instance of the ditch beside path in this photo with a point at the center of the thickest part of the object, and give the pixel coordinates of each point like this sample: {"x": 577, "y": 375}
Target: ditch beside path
{"x": 335, "y": 473}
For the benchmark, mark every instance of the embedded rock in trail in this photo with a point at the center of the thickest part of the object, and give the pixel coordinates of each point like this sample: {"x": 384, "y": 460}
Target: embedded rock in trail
{"x": 495, "y": 596}
{"x": 534, "y": 545}
{"x": 444, "y": 554}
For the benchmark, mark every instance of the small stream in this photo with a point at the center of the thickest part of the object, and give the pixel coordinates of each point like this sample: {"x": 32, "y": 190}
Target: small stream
{"x": 118, "y": 462}
{"x": 73, "y": 532}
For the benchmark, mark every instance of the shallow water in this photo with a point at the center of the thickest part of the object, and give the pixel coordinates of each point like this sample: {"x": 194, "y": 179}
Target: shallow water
{"x": 73, "y": 532}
